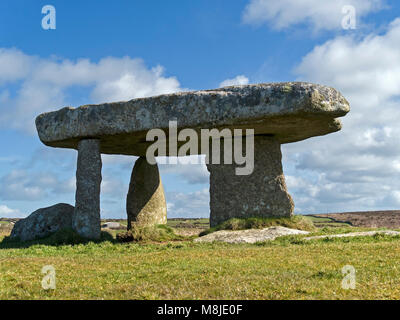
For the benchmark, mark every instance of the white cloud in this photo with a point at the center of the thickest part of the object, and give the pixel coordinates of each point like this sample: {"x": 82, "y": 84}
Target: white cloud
{"x": 6, "y": 212}
{"x": 188, "y": 205}
{"x": 114, "y": 187}
{"x": 189, "y": 173}
{"x": 129, "y": 78}
{"x": 358, "y": 167}
{"x": 238, "y": 80}
{"x": 122, "y": 161}
{"x": 318, "y": 13}
{"x": 18, "y": 185}
{"x": 14, "y": 65}
{"x": 27, "y": 185}
{"x": 43, "y": 84}
{"x": 368, "y": 70}
{"x": 396, "y": 196}
{"x": 191, "y": 169}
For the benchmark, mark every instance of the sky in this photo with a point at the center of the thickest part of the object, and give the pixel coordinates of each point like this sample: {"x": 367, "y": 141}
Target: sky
{"x": 103, "y": 51}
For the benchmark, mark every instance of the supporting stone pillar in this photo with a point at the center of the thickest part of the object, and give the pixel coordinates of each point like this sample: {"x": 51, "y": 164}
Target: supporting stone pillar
{"x": 263, "y": 193}
{"x": 86, "y": 218}
{"x": 145, "y": 202}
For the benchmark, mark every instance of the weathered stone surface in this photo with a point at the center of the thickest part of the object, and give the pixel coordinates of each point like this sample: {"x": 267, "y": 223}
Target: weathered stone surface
{"x": 86, "y": 218}
{"x": 249, "y": 236}
{"x": 145, "y": 203}
{"x": 263, "y": 193}
{"x": 290, "y": 111}
{"x": 278, "y": 112}
{"x": 44, "y": 222}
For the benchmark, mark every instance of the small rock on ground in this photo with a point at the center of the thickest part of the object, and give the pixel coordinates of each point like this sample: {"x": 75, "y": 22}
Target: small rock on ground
{"x": 188, "y": 232}
{"x": 112, "y": 225}
{"x": 249, "y": 236}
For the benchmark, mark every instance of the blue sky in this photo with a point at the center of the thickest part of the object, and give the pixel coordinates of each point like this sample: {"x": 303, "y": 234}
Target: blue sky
{"x": 105, "y": 51}
{"x": 191, "y": 39}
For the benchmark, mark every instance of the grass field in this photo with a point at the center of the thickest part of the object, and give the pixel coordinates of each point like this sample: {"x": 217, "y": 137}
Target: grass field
{"x": 287, "y": 268}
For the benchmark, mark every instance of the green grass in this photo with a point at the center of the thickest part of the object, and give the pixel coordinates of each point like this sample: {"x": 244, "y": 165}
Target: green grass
{"x": 62, "y": 237}
{"x": 319, "y": 219}
{"x": 159, "y": 233}
{"x": 197, "y": 223}
{"x": 295, "y": 222}
{"x": 177, "y": 268}
{"x": 288, "y": 268}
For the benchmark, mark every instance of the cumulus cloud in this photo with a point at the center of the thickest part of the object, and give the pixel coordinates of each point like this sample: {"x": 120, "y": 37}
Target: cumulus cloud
{"x": 25, "y": 185}
{"x": 358, "y": 167}
{"x": 367, "y": 69}
{"x": 14, "y": 65}
{"x": 114, "y": 187}
{"x": 191, "y": 169}
{"x": 6, "y": 212}
{"x": 44, "y": 84}
{"x": 121, "y": 161}
{"x": 319, "y": 14}
{"x": 61, "y": 159}
{"x": 192, "y": 174}
{"x": 30, "y": 85}
{"x": 188, "y": 205}
{"x": 238, "y": 80}
{"x": 29, "y": 181}
{"x": 31, "y": 185}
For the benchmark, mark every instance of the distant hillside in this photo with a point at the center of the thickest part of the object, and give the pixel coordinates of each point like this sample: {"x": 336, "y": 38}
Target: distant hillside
{"x": 368, "y": 219}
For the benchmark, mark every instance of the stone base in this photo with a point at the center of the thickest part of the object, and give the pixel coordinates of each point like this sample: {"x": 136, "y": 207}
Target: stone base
{"x": 145, "y": 202}
{"x": 263, "y": 193}
{"x": 86, "y": 218}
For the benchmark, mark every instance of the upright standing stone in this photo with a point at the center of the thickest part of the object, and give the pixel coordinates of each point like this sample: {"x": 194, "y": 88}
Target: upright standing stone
{"x": 263, "y": 193}
{"x": 145, "y": 203}
{"x": 86, "y": 218}
{"x": 287, "y": 111}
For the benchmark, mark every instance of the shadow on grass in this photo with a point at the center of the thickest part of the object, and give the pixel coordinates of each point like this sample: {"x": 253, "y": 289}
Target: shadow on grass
{"x": 60, "y": 238}
{"x": 143, "y": 234}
